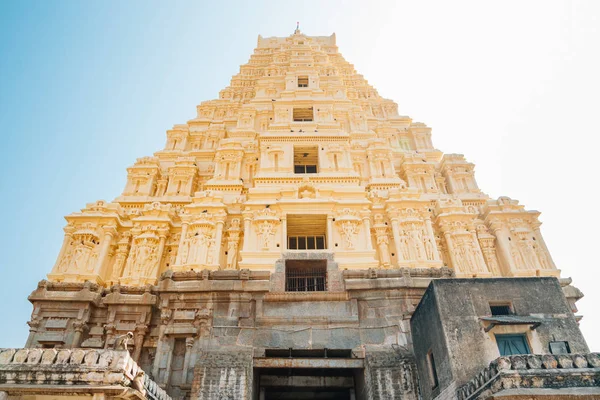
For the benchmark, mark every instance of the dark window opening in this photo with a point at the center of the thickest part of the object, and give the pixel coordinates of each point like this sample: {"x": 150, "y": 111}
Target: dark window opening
{"x": 305, "y": 169}
{"x": 306, "y": 242}
{"x": 303, "y": 81}
{"x": 303, "y": 114}
{"x": 500, "y": 309}
{"x": 512, "y": 344}
{"x": 432, "y": 370}
{"x": 306, "y": 276}
{"x": 306, "y": 159}
{"x": 559, "y": 347}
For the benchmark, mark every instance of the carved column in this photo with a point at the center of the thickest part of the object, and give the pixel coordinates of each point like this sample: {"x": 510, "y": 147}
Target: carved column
{"x": 78, "y": 326}
{"x": 218, "y": 242}
{"x": 111, "y": 330}
{"x": 189, "y": 344}
{"x": 34, "y": 324}
{"x": 451, "y": 254}
{"x": 109, "y": 232}
{"x": 502, "y": 238}
{"x": 382, "y": 244}
{"x": 138, "y": 340}
{"x": 365, "y": 214}
{"x": 123, "y": 247}
{"x": 184, "y": 229}
{"x": 396, "y": 234}
{"x": 429, "y": 228}
{"x": 330, "y": 244}
{"x": 165, "y": 317}
{"x": 284, "y": 243}
{"x": 162, "y": 235}
{"x": 540, "y": 239}
{"x": 478, "y": 252}
{"x": 66, "y": 241}
{"x": 247, "y": 226}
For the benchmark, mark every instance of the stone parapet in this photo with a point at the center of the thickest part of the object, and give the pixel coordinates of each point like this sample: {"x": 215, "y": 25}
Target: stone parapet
{"x": 75, "y": 371}
{"x": 529, "y": 371}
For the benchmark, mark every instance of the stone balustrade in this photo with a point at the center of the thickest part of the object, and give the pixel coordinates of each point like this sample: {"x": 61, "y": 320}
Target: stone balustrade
{"x": 533, "y": 371}
{"x": 75, "y": 371}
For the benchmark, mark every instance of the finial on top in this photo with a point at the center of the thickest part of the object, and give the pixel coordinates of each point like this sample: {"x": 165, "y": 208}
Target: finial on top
{"x": 297, "y": 28}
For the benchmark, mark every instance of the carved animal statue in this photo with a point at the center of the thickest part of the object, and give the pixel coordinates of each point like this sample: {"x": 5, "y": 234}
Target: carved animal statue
{"x": 122, "y": 341}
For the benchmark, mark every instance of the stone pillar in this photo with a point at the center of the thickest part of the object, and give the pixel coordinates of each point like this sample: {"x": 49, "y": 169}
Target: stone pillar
{"x": 479, "y": 252}
{"x": 540, "y": 239}
{"x": 247, "y": 227}
{"x": 66, "y": 241}
{"x": 111, "y": 329}
{"x": 382, "y": 244}
{"x": 330, "y": 244}
{"x": 450, "y": 245}
{"x": 502, "y": 239}
{"x": 189, "y": 344}
{"x": 34, "y": 324}
{"x": 284, "y": 243}
{"x": 218, "y": 243}
{"x": 162, "y": 348}
{"x": 184, "y": 229}
{"x": 109, "y": 231}
{"x": 429, "y": 228}
{"x": 159, "y": 254}
{"x": 138, "y": 340}
{"x": 78, "y": 326}
{"x": 396, "y": 234}
{"x": 365, "y": 214}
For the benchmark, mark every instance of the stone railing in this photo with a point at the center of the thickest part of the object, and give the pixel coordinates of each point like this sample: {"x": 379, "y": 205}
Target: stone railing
{"x": 74, "y": 370}
{"x": 533, "y": 371}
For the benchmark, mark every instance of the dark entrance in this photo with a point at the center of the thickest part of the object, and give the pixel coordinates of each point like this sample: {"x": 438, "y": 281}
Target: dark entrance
{"x": 308, "y": 375}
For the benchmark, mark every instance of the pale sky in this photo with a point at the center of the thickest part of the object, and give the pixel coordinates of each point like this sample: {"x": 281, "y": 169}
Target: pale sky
{"x": 87, "y": 87}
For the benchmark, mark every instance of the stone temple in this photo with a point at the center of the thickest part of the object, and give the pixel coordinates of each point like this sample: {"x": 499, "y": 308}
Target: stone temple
{"x": 301, "y": 239}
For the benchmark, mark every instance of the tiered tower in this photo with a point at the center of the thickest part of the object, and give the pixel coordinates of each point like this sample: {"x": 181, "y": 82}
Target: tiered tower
{"x": 299, "y": 153}
{"x": 297, "y": 217}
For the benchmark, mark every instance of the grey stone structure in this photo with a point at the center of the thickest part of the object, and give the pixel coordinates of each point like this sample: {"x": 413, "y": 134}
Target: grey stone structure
{"x": 456, "y": 335}
{"x": 238, "y": 334}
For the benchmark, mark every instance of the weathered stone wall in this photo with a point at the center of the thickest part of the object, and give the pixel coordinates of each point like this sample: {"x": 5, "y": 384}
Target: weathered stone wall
{"x": 428, "y": 335}
{"x": 390, "y": 374}
{"x": 223, "y": 374}
{"x": 451, "y": 313}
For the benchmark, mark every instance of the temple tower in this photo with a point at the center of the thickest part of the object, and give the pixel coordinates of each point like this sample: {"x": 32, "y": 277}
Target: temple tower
{"x": 283, "y": 238}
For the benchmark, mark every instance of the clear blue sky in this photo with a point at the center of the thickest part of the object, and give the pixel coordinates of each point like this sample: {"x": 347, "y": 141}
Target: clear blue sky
{"x": 86, "y": 87}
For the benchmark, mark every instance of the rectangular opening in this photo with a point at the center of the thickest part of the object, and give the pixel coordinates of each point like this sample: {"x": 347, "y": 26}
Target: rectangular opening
{"x": 306, "y": 275}
{"x": 306, "y": 159}
{"x": 303, "y": 81}
{"x": 303, "y": 114}
{"x": 308, "y": 353}
{"x": 433, "y": 378}
{"x": 306, "y": 232}
{"x": 501, "y": 309}
{"x": 559, "y": 347}
{"x": 509, "y": 345}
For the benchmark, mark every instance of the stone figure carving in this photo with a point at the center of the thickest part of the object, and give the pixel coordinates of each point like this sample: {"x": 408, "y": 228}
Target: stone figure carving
{"x": 349, "y": 229}
{"x": 429, "y": 249}
{"x": 266, "y": 231}
{"x": 404, "y": 248}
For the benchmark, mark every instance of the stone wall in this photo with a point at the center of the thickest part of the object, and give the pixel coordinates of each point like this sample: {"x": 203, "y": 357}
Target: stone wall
{"x": 390, "y": 375}
{"x": 223, "y": 374}
{"x": 453, "y": 322}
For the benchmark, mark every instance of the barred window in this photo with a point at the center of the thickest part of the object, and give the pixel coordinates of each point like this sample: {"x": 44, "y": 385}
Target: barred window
{"x": 306, "y": 276}
{"x": 306, "y": 242}
{"x": 302, "y": 80}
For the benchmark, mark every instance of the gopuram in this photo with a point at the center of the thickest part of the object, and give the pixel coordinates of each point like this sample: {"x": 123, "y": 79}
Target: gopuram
{"x": 301, "y": 239}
